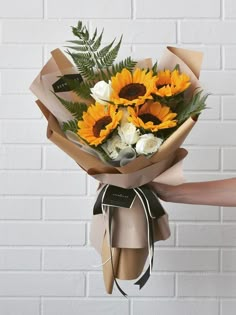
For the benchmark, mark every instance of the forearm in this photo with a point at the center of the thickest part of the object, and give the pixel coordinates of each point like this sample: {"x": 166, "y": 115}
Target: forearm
{"x": 221, "y": 192}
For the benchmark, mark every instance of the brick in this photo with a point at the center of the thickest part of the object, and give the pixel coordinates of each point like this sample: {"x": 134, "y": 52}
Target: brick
{"x": 206, "y": 235}
{"x": 54, "y": 31}
{"x": 20, "y": 208}
{"x": 211, "y": 54}
{"x": 177, "y": 259}
{"x": 43, "y": 233}
{"x": 228, "y": 260}
{"x": 20, "y": 157}
{"x": 217, "y": 134}
{"x": 230, "y": 9}
{"x": 229, "y": 159}
{"x": 139, "y": 31}
{"x": 71, "y": 259}
{"x": 229, "y": 57}
{"x": 41, "y": 284}
{"x": 196, "y": 159}
{"x": 22, "y": 9}
{"x": 90, "y": 9}
{"x": 28, "y": 56}
{"x": 20, "y": 259}
{"x": 18, "y": 106}
{"x": 22, "y": 306}
{"x": 157, "y": 286}
{"x": 56, "y": 159}
{"x": 88, "y": 307}
{"x": 229, "y": 213}
{"x": 214, "y": 285}
{"x": 188, "y": 212}
{"x": 207, "y": 31}
{"x": 180, "y": 9}
{"x": 17, "y": 81}
{"x": 27, "y": 131}
{"x": 68, "y": 208}
{"x": 228, "y": 307}
{"x": 212, "y": 80}
{"x": 229, "y": 109}
{"x": 170, "y": 307}
{"x": 92, "y": 186}
{"x": 141, "y": 51}
{"x": 46, "y": 183}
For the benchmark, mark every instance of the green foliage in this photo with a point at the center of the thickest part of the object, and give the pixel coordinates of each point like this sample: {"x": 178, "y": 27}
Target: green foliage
{"x": 193, "y": 108}
{"x": 93, "y": 62}
{"x": 70, "y": 125}
{"x": 75, "y": 108}
{"x": 175, "y": 102}
{"x": 128, "y": 63}
{"x": 155, "y": 68}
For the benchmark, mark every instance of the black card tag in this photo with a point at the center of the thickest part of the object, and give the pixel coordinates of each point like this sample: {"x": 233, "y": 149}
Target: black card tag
{"x": 119, "y": 197}
{"x": 62, "y": 85}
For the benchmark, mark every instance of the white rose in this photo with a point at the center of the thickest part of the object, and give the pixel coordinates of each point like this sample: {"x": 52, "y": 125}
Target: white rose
{"x": 113, "y": 146}
{"x": 148, "y": 144}
{"x": 128, "y": 133}
{"x": 101, "y": 92}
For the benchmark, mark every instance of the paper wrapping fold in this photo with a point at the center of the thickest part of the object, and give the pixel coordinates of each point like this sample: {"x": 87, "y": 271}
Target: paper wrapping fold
{"x": 129, "y": 262}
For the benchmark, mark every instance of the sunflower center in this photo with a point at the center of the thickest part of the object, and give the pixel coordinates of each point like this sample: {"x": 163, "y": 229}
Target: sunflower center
{"x": 149, "y": 117}
{"x": 132, "y": 91}
{"x": 101, "y": 124}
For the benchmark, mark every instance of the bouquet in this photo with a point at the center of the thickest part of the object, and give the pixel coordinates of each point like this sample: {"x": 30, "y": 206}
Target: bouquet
{"x": 123, "y": 123}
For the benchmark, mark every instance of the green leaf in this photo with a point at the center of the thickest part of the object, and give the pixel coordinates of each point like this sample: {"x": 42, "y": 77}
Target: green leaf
{"x": 128, "y": 63}
{"x": 154, "y": 68}
{"x": 194, "y": 107}
{"x": 83, "y": 90}
{"x": 75, "y": 108}
{"x": 97, "y": 43}
{"x": 102, "y": 53}
{"x": 70, "y": 125}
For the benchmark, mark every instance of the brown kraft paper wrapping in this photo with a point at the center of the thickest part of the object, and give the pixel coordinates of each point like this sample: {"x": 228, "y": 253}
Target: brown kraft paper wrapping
{"x": 129, "y": 246}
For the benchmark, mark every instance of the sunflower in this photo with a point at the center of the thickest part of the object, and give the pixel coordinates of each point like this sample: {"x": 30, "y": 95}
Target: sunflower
{"x": 152, "y": 116}
{"x": 98, "y": 123}
{"x": 170, "y": 83}
{"x": 132, "y": 88}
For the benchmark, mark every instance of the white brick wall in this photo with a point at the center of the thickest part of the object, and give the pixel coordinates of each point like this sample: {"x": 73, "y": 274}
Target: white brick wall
{"x": 46, "y": 261}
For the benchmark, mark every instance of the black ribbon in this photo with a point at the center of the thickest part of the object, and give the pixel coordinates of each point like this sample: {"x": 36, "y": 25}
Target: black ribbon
{"x": 153, "y": 210}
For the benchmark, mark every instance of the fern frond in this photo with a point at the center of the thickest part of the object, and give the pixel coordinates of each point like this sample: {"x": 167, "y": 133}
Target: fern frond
{"x": 75, "y": 108}
{"x": 70, "y": 125}
{"x": 128, "y": 63}
{"x": 83, "y": 90}
{"x": 96, "y": 44}
{"x": 102, "y": 53}
{"x": 109, "y": 58}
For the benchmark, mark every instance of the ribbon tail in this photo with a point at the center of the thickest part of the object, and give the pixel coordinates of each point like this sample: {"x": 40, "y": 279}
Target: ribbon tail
{"x": 110, "y": 215}
{"x": 142, "y": 281}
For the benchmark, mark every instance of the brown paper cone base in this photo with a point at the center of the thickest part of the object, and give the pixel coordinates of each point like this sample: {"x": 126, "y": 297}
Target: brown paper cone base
{"x": 128, "y": 263}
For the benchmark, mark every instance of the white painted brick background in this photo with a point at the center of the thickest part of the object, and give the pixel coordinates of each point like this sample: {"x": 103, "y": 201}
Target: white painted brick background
{"x": 46, "y": 261}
